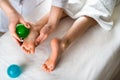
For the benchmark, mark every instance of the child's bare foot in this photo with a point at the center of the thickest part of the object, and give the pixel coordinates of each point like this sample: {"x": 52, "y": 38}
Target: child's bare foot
{"x": 51, "y": 62}
{"x": 29, "y": 43}
{"x": 45, "y": 32}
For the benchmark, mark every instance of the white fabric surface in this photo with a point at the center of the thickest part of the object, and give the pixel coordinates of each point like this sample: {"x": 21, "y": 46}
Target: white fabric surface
{"x": 92, "y": 57}
{"x": 24, "y": 7}
{"x": 100, "y": 10}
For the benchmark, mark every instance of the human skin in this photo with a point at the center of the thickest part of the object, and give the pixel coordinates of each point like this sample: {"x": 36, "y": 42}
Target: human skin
{"x": 42, "y": 28}
{"x": 14, "y": 18}
{"x": 47, "y": 24}
{"x": 59, "y": 45}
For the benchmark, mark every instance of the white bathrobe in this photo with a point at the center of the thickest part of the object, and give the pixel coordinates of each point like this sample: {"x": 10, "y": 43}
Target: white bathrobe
{"x": 100, "y": 10}
{"x": 24, "y": 7}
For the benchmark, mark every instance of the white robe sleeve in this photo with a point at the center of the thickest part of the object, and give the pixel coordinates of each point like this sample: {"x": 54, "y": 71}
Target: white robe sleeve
{"x": 59, "y": 3}
{"x": 4, "y": 19}
{"x": 24, "y": 7}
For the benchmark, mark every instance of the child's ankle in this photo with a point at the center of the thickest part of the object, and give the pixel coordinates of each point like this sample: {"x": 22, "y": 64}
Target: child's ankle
{"x": 65, "y": 44}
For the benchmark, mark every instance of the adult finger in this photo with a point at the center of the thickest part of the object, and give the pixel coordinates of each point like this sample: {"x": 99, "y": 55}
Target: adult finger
{"x": 18, "y": 42}
{"x": 12, "y": 28}
{"x": 27, "y": 25}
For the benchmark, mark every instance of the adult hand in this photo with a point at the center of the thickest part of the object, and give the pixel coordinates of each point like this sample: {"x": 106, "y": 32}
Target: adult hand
{"x": 14, "y": 19}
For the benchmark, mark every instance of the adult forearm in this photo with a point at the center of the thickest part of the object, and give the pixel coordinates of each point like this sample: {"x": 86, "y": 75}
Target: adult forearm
{"x": 7, "y": 8}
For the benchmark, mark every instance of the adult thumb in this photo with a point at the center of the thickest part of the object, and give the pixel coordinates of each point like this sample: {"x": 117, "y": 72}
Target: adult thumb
{"x": 27, "y": 25}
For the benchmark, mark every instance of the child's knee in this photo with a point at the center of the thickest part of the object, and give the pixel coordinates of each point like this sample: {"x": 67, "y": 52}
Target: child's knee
{"x": 90, "y": 19}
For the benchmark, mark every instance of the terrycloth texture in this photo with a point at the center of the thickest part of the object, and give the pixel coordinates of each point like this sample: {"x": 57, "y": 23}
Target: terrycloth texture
{"x": 24, "y": 7}
{"x": 92, "y": 57}
{"x": 100, "y": 10}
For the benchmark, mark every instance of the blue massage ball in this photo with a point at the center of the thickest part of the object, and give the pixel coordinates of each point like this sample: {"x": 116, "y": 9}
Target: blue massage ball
{"x": 14, "y": 71}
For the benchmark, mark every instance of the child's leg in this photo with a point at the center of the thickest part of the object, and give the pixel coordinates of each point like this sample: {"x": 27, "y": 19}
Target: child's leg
{"x": 56, "y": 14}
{"x": 29, "y": 43}
{"x": 59, "y": 45}
{"x": 48, "y": 21}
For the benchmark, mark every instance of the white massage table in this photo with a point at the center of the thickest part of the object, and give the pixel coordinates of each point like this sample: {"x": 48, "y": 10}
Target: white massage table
{"x": 95, "y": 56}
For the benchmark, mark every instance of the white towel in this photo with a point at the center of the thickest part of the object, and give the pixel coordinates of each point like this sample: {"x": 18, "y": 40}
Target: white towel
{"x": 72, "y": 7}
{"x": 100, "y": 10}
